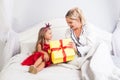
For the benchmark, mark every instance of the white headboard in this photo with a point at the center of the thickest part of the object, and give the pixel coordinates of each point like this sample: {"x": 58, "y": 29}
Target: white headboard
{"x": 28, "y": 38}
{"x": 57, "y": 25}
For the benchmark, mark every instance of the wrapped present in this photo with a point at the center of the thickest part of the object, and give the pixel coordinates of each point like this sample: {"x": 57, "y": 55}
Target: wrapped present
{"x": 60, "y": 51}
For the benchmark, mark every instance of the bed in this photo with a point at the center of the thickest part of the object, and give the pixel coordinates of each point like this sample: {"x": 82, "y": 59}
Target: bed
{"x": 13, "y": 70}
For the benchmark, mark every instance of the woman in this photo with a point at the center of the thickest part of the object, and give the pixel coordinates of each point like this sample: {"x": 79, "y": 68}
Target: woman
{"x": 92, "y": 52}
{"x": 83, "y": 36}
{"x": 77, "y": 31}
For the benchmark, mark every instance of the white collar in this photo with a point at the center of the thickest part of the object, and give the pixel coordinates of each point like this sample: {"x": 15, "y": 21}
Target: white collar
{"x": 82, "y": 41}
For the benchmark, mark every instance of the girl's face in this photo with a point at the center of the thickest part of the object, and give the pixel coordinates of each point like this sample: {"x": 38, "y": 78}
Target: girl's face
{"x": 48, "y": 35}
{"x": 74, "y": 23}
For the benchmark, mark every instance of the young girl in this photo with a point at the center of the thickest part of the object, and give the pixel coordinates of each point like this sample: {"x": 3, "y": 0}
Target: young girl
{"x": 40, "y": 58}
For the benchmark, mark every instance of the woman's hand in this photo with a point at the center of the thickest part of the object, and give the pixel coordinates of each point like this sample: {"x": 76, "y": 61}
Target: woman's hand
{"x": 46, "y": 57}
{"x": 72, "y": 45}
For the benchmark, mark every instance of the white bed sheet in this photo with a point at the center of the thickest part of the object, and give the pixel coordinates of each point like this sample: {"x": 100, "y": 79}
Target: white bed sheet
{"x": 19, "y": 72}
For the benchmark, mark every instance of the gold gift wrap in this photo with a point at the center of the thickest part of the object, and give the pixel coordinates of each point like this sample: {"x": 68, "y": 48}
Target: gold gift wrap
{"x": 60, "y": 51}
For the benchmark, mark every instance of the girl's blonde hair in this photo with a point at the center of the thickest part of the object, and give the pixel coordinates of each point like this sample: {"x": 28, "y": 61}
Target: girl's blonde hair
{"x": 41, "y": 36}
{"x": 76, "y": 13}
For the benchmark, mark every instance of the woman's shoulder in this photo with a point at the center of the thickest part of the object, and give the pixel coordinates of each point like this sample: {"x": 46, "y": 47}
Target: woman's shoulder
{"x": 91, "y": 32}
{"x": 91, "y": 29}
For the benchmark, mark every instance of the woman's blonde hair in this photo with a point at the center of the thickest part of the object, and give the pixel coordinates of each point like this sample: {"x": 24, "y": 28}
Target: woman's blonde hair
{"x": 76, "y": 13}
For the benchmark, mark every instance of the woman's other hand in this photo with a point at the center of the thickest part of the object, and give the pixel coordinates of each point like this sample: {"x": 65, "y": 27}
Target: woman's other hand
{"x": 72, "y": 45}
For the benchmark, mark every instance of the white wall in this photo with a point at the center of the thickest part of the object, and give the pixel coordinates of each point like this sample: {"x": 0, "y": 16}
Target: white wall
{"x": 27, "y": 13}
{"x": 117, "y": 9}
{"x": 5, "y": 15}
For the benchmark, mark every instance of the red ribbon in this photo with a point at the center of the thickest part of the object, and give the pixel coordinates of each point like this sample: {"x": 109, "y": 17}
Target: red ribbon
{"x": 61, "y": 47}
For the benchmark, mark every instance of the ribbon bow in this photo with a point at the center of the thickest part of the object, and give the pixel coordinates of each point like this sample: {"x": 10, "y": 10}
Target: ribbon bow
{"x": 61, "y": 47}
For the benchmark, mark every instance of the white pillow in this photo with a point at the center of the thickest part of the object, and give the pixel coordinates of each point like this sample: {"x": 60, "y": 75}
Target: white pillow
{"x": 115, "y": 40}
{"x": 27, "y": 47}
{"x": 28, "y": 40}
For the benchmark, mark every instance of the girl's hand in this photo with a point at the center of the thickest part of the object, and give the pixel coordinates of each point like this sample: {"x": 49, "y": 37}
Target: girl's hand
{"x": 46, "y": 57}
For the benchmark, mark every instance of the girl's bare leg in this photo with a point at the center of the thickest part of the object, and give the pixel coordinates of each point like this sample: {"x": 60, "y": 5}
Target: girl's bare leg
{"x": 33, "y": 68}
{"x": 41, "y": 66}
{"x": 38, "y": 62}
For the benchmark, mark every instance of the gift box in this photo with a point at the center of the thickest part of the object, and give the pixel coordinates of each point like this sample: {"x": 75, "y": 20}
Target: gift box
{"x": 60, "y": 51}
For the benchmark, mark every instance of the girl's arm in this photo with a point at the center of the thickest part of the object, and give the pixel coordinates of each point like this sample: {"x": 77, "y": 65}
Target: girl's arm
{"x": 46, "y": 56}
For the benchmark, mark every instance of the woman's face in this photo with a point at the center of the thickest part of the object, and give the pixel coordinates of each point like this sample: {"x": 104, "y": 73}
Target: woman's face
{"x": 48, "y": 35}
{"x": 74, "y": 23}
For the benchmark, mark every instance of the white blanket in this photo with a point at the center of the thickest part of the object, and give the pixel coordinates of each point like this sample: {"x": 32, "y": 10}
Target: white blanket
{"x": 98, "y": 67}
